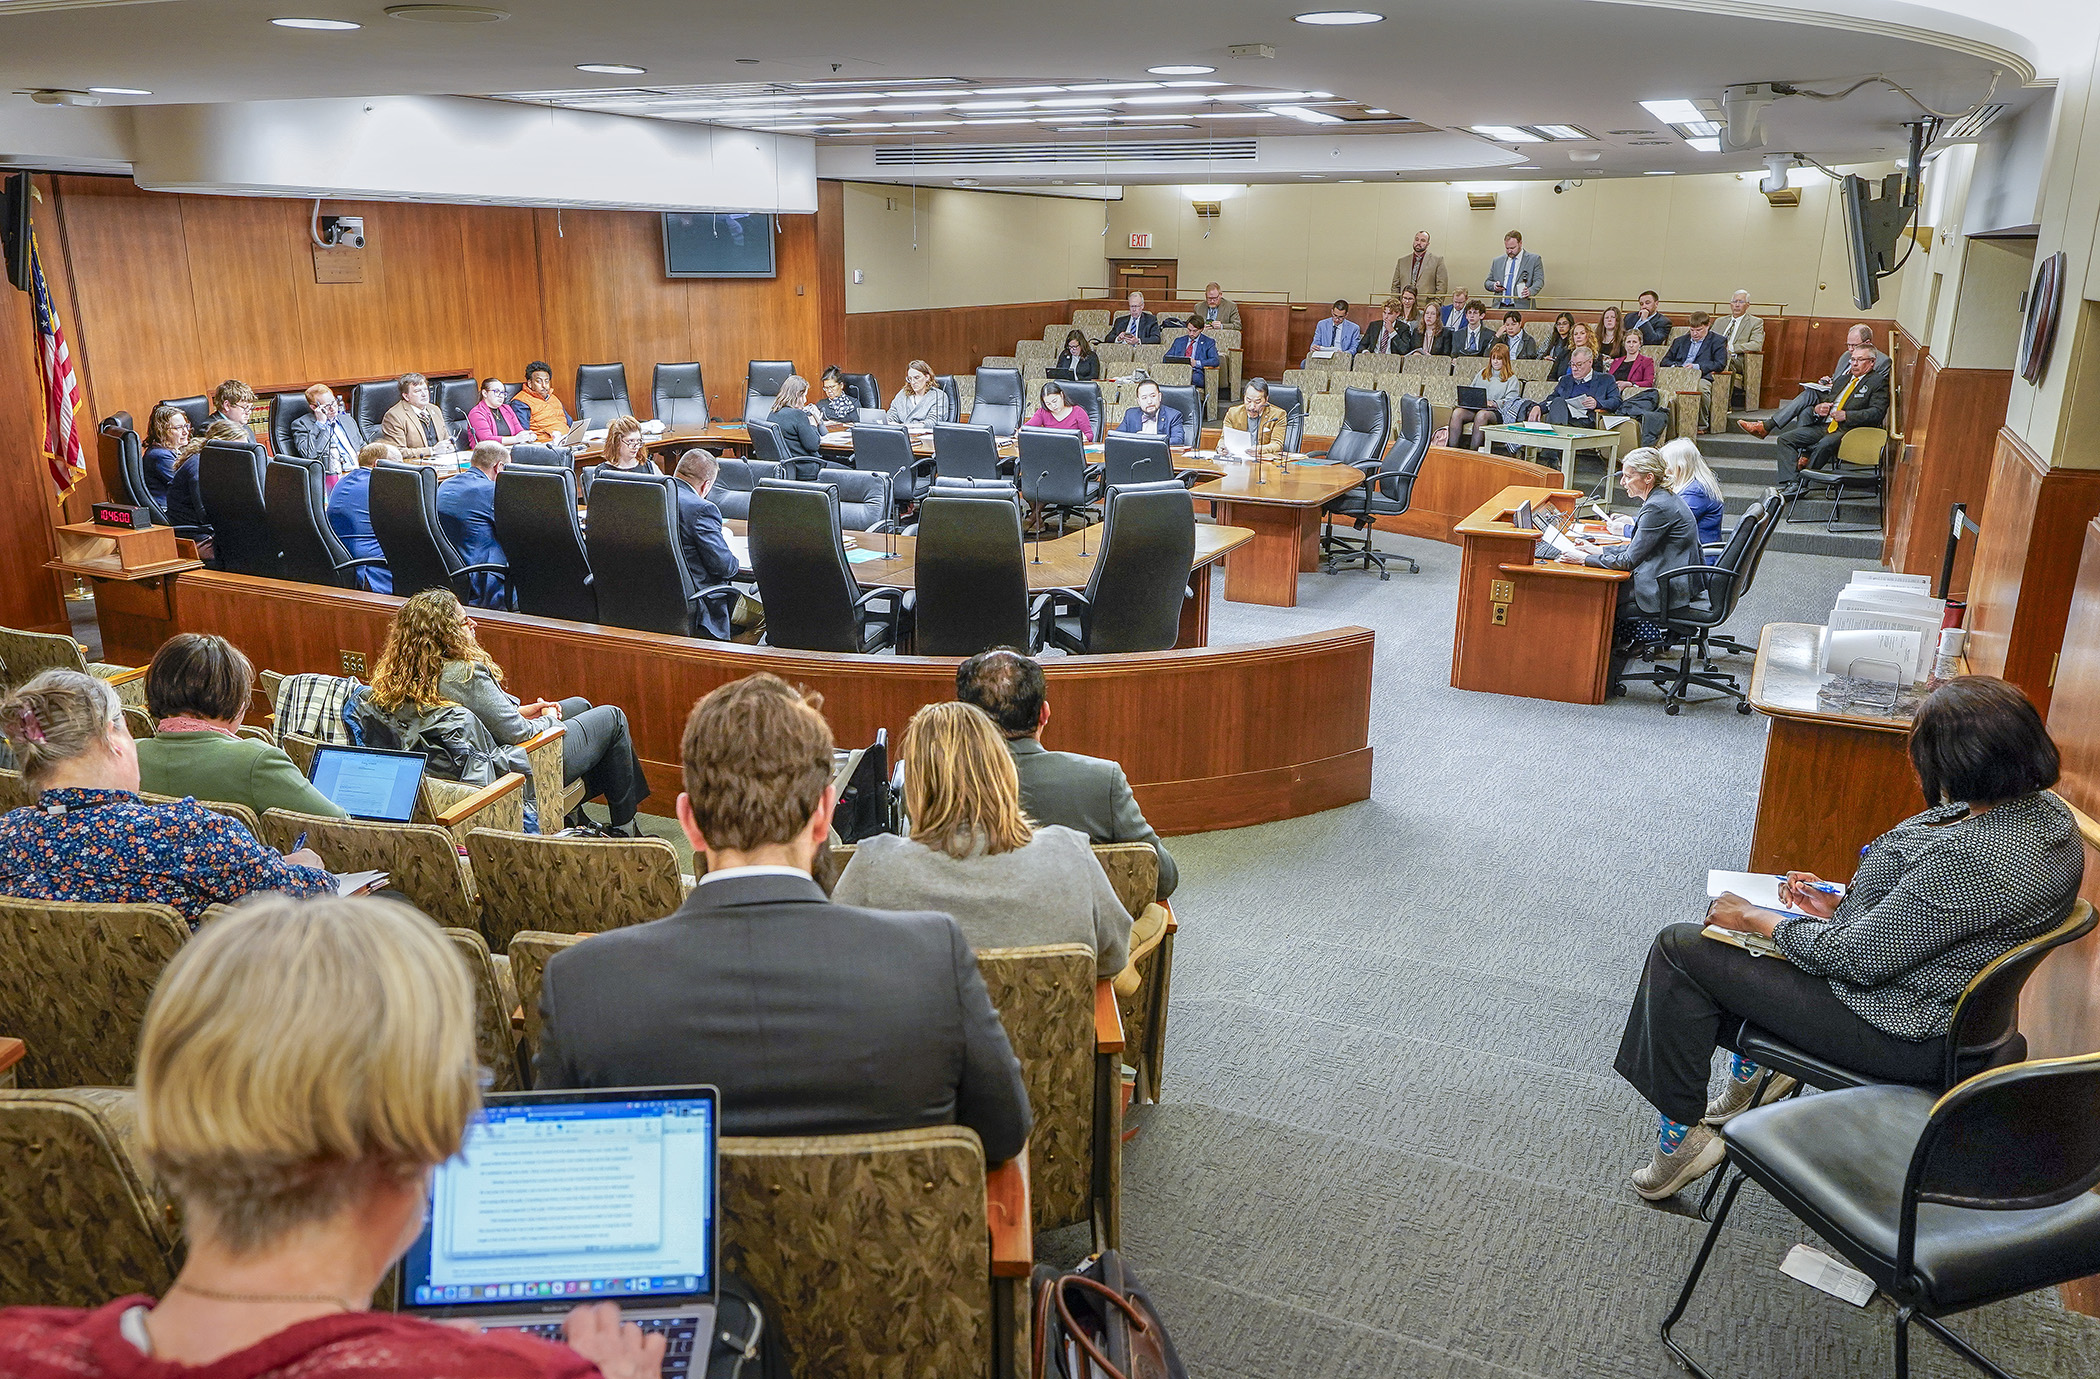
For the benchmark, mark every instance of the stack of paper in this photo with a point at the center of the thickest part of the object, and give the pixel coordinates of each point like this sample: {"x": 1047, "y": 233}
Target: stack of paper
{"x": 1886, "y": 618}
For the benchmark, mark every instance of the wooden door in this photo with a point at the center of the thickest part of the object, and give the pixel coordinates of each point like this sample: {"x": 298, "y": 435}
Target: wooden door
{"x": 1153, "y": 277}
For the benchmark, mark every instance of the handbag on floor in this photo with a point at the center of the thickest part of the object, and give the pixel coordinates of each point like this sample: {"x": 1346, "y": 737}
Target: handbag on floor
{"x": 744, "y": 1346}
{"x": 1097, "y": 1322}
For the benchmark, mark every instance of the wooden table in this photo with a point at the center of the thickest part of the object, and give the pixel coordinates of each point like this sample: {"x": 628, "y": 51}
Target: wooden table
{"x": 1542, "y": 631}
{"x": 1833, "y": 780}
{"x": 1567, "y": 440}
{"x": 1281, "y": 506}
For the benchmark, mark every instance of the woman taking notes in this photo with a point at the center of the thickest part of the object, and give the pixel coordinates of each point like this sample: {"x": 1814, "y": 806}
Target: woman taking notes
{"x": 918, "y": 404}
{"x": 1868, "y": 981}
{"x": 1053, "y": 410}
{"x": 1505, "y": 394}
{"x": 623, "y": 453}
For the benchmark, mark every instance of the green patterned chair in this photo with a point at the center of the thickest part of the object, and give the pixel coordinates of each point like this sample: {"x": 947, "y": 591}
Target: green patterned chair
{"x": 81, "y": 1220}
{"x": 458, "y": 808}
{"x": 74, "y": 982}
{"x": 422, "y": 860}
{"x": 530, "y": 952}
{"x": 14, "y": 791}
{"x": 570, "y": 885}
{"x": 1679, "y": 388}
{"x": 1133, "y": 869}
{"x": 1093, "y": 320}
{"x": 1064, "y": 1027}
{"x": 886, "y": 1254}
{"x": 495, "y": 997}
{"x": 24, "y": 655}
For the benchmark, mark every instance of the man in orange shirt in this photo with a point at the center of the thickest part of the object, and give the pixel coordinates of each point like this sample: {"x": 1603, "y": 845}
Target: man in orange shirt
{"x": 545, "y": 417}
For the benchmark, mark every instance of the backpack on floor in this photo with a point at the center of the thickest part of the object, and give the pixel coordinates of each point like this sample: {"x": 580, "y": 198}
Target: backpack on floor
{"x": 1097, "y": 1322}
{"x": 744, "y": 1346}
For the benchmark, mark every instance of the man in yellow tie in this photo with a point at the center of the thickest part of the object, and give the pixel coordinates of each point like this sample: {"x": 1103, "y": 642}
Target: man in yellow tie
{"x": 1859, "y": 397}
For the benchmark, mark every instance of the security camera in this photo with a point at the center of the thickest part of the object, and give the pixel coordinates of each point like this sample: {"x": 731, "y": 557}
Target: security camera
{"x": 1743, "y": 107}
{"x": 1776, "y": 165}
{"x": 1564, "y": 184}
{"x": 343, "y": 231}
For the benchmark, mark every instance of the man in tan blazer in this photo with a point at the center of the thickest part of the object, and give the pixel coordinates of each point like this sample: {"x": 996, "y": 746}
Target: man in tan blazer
{"x": 1218, "y": 309}
{"x": 1743, "y": 334}
{"x": 413, "y": 424}
{"x": 1423, "y": 271}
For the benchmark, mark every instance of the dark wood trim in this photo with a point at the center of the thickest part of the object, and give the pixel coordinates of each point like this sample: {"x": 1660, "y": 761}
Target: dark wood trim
{"x": 2026, "y": 565}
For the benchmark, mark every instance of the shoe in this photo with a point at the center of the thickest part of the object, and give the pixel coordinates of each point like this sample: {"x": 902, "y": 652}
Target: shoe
{"x": 1754, "y": 428}
{"x": 1735, "y": 1098}
{"x": 1665, "y": 1175}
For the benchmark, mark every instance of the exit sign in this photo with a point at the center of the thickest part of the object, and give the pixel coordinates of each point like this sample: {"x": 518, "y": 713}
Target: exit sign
{"x": 1138, "y": 241}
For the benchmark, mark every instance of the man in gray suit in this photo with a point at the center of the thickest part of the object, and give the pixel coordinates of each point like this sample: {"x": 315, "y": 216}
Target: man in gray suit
{"x": 328, "y": 433}
{"x": 1516, "y": 277}
{"x": 1860, "y": 336}
{"x": 812, "y": 1018}
{"x": 1079, "y": 792}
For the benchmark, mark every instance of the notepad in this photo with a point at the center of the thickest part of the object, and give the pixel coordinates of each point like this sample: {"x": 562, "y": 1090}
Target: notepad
{"x": 860, "y": 557}
{"x": 1760, "y": 888}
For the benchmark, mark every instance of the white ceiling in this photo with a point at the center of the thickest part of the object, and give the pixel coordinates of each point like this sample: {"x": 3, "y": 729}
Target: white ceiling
{"x": 1444, "y": 66}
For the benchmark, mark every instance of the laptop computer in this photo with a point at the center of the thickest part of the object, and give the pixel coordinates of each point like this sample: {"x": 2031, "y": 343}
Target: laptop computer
{"x": 369, "y": 783}
{"x": 573, "y": 437}
{"x": 564, "y": 1198}
{"x": 1475, "y": 398}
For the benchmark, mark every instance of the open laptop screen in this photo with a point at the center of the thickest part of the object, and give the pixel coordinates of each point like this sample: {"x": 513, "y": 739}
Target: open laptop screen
{"x": 368, "y": 783}
{"x": 566, "y": 1197}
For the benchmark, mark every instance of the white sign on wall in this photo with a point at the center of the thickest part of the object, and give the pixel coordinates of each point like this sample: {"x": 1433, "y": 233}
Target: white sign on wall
{"x": 1138, "y": 241}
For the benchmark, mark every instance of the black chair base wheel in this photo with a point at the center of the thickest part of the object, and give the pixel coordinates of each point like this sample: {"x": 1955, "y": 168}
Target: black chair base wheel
{"x": 1743, "y": 707}
{"x": 1672, "y": 708}
{"x": 1617, "y": 691}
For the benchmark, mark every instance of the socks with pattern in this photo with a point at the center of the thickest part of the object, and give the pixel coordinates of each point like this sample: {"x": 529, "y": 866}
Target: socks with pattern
{"x": 1741, "y": 1069}
{"x": 1670, "y": 1134}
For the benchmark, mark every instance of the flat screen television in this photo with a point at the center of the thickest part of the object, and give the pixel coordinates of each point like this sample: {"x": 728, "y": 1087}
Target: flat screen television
{"x": 718, "y": 244}
{"x": 14, "y": 228}
{"x": 1873, "y": 228}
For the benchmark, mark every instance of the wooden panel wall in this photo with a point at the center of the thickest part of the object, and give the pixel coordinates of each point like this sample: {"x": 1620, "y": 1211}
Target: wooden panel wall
{"x": 953, "y": 340}
{"x": 1950, "y": 424}
{"x": 2026, "y": 562}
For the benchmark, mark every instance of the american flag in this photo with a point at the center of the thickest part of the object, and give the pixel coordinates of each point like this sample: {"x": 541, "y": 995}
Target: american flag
{"x": 62, "y": 452}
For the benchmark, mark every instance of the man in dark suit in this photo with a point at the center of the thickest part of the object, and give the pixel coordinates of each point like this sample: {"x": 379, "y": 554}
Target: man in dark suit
{"x": 1699, "y": 348}
{"x": 1152, "y": 418}
{"x": 1858, "y": 398}
{"x": 467, "y": 513}
{"x": 1453, "y": 317}
{"x": 1520, "y": 341}
{"x": 1584, "y": 393}
{"x": 1649, "y": 323}
{"x": 327, "y": 433}
{"x": 1474, "y": 337}
{"x": 1199, "y": 349}
{"x": 1391, "y": 334}
{"x": 707, "y": 553}
{"x": 1136, "y": 326}
{"x": 812, "y": 1018}
{"x": 350, "y": 514}
{"x": 1080, "y": 792}
{"x": 1796, "y": 408}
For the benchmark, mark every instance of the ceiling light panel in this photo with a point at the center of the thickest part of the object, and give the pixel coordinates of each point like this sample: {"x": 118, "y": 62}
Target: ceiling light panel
{"x": 1182, "y": 70}
{"x": 319, "y": 25}
{"x": 1342, "y": 17}
{"x": 1673, "y": 112}
{"x": 1508, "y": 134}
{"x": 1563, "y": 131}
{"x": 1306, "y": 114}
{"x": 1712, "y": 145}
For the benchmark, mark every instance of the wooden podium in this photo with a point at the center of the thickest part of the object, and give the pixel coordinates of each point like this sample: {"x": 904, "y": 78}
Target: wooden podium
{"x": 131, "y": 572}
{"x": 1540, "y": 630}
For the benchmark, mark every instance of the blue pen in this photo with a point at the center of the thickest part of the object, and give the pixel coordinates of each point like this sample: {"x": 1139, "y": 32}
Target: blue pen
{"x": 1824, "y": 887}
{"x": 300, "y": 844}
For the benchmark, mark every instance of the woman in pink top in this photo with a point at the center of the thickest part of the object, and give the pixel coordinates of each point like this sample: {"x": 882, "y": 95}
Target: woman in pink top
{"x": 1054, "y": 410}
{"x": 491, "y": 419}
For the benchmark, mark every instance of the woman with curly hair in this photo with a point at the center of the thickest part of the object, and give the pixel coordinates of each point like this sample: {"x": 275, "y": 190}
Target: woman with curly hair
{"x": 432, "y": 657}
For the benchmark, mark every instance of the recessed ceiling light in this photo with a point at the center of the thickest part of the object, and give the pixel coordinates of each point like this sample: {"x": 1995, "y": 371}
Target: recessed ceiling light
{"x": 118, "y": 91}
{"x": 1306, "y": 114}
{"x": 1699, "y": 129}
{"x": 1339, "y": 17}
{"x": 1182, "y": 70}
{"x": 1369, "y": 111}
{"x": 447, "y": 14}
{"x": 1347, "y": 180}
{"x": 1673, "y": 112}
{"x": 1193, "y": 84}
{"x": 611, "y": 69}
{"x": 325, "y": 25}
{"x": 1712, "y": 145}
{"x": 1525, "y": 167}
{"x": 1652, "y": 172}
{"x": 1310, "y": 176}
{"x": 1564, "y": 131}
{"x": 1507, "y": 133}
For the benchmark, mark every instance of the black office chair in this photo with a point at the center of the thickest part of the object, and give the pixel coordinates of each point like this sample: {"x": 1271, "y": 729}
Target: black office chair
{"x": 642, "y": 579}
{"x": 295, "y": 494}
{"x": 601, "y": 393}
{"x": 972, "y": 578}
{"x": 734, "y": 481}
{"x": 1088, "y": 396}
{"x": 454, "y": 398}
{"x": 230, "y": 486}
{"x": 762, "y": 380}
{"x": 1132, "y": 459}
{"x": 965, "y": 450}
{"x": 1719, "y": 644}
{"x": 1134, "y": 598}
{"x": 197, "y": 409}
{"x": 1055, "y": 477}
{"x": 863, "y": 497}
{"x": 536, "y": 512}
{"x": 769, "y": 446}
{"x": 1189, "y": 402}
{"x": 867, "y": 804}
{"x": 946, "y": 383}
{"x": 882, "y": 449}
{"x": 1291, "y": 398}
{"x": 678, "y": 395}
{"x": 863, "y": 389}
{"x": 1724, "y": 583}
{"x": 812, "y": 601}
{"x": 370, "y": 402}
{"x": 405, "y": 523}
{"x": 1387, "y": 491}
{"x": 131, "y": 472}
{"x": 285, "y": 409}
{"x": 1367, "y": 420}
{"x": 1000, "y": 402}
{"x": 1946, "y": 1202}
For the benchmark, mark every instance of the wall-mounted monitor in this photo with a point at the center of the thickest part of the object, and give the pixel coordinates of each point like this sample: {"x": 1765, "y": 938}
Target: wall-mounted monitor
{"x": 14, "y": 228}
{"x": 718, "y": 244}
{"x": 1874, "y": 226}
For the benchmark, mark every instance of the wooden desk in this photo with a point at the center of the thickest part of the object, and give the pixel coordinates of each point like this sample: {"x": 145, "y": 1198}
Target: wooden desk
{"x": 716, "y": 435}
{"x": 1542, "y": 631}
{"x": 130, "y": 572}
{"x": 1282, "y": 508}
{"x": 1833, "y": 781}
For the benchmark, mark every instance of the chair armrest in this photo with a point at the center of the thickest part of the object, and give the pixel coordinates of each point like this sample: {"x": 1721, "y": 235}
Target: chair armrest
{"x": 12, "y": 1051}
{"x": 467, "y": 808}
{"x": 545, "y": 737}
{"x": 498, "y": 568}
{"x": 125, "y": 677}
{"x": 1108, "y": 1020}
{"x": 367, "y": 560}
{"x": 880, "y": 591}
{"x": 517, "y": 1019}
{"x": 1010, "y": 1216}
{"x": 711, "y": 590}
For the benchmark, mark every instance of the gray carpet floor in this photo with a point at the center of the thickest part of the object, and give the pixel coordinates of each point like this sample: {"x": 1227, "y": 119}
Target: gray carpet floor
{"x": 1390, "y": 1141}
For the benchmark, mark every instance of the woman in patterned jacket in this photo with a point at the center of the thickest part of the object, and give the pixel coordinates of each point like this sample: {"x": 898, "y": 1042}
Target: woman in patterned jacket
{"x": 1868, "y": 981}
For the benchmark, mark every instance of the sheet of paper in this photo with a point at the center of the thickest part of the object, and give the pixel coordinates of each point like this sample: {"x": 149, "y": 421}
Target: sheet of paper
{"x": 1554, "y": 537}
{"x": 1232, "y": 441}
{"x": 1846, "y": 647}
{"x": 1819, "y": 1270}
{"x": 1895, "y": 579}
{"x": 360, "y": 882}
{"x": 1758, "y": 887}
{"x": 740, "y": 547}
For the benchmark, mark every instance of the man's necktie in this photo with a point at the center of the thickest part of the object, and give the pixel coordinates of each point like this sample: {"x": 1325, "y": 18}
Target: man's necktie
{"x": 1839, "y": 405}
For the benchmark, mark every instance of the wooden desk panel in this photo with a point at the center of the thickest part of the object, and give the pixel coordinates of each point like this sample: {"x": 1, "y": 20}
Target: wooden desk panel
{"x": 1556, "y": 640}
{"x": 1283, "y": 511}
{"x": 1212, "y": 737}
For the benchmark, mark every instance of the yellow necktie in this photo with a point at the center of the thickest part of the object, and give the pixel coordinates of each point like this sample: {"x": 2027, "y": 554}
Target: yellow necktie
{"x": 1839, "y": 405}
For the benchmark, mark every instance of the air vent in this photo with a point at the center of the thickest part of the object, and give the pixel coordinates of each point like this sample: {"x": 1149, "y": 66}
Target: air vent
{"x": 1969, "y": 126}
{"x": 1098, "y": 151}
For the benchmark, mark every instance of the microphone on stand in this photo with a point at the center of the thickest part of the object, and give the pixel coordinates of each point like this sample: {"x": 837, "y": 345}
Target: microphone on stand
{"x": 1040, "y": 515}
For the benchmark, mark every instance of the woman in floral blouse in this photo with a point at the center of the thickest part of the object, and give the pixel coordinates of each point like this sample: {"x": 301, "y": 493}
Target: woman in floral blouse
{"x": 90, "y": 837}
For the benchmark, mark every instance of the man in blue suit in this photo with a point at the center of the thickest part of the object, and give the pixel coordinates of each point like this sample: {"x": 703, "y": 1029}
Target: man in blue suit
{"x": 1150, "y": 418}
{"x": 1337, "y": 333}
{"x": 1199, "y": 349}
{"x": 350, "y": 514}
{"x": 1583, "y": 394}
{"x": 467, "y": 514}
{"x": 1703, "y": 350}
{"x": 1453, "y": 316}
{"x": 707, "y": 555}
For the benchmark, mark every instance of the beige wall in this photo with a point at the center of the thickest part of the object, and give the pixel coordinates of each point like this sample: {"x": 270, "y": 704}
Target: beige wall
{"x": 973, "y": 248}
{"x": 1985, "y": 331}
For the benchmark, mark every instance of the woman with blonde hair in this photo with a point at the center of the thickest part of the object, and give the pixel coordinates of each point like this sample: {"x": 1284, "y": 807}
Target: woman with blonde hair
{"x": 801, "y": 444}
{"x": 432, "y": 662}
{"x": 918, "y": 404}
{"x": 973, "y": 854}
{"x": 1505, "y": 394}
{"x": 303, "y": 1067}
{"x": 1686, "y": 474}
{"x": 622, "y": 453}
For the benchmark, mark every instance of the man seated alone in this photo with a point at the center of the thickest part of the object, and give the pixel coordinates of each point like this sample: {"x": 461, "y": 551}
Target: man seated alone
{"x": 350, "y": 514}
{"x": 1702, "y": 349}
{"x": 1198, "y": 349}
{"x": 1079, "y": 792}
{"x": 1583, "y": 393}
{"x": 812, "y": 1018}
{"x": 707, "y": 555}
{"x": 1151, "y": 418}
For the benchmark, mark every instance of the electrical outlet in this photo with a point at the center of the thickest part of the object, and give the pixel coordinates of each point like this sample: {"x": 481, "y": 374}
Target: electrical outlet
{"x": 1501, "y": 618}
{"x": 353, "y": 663}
